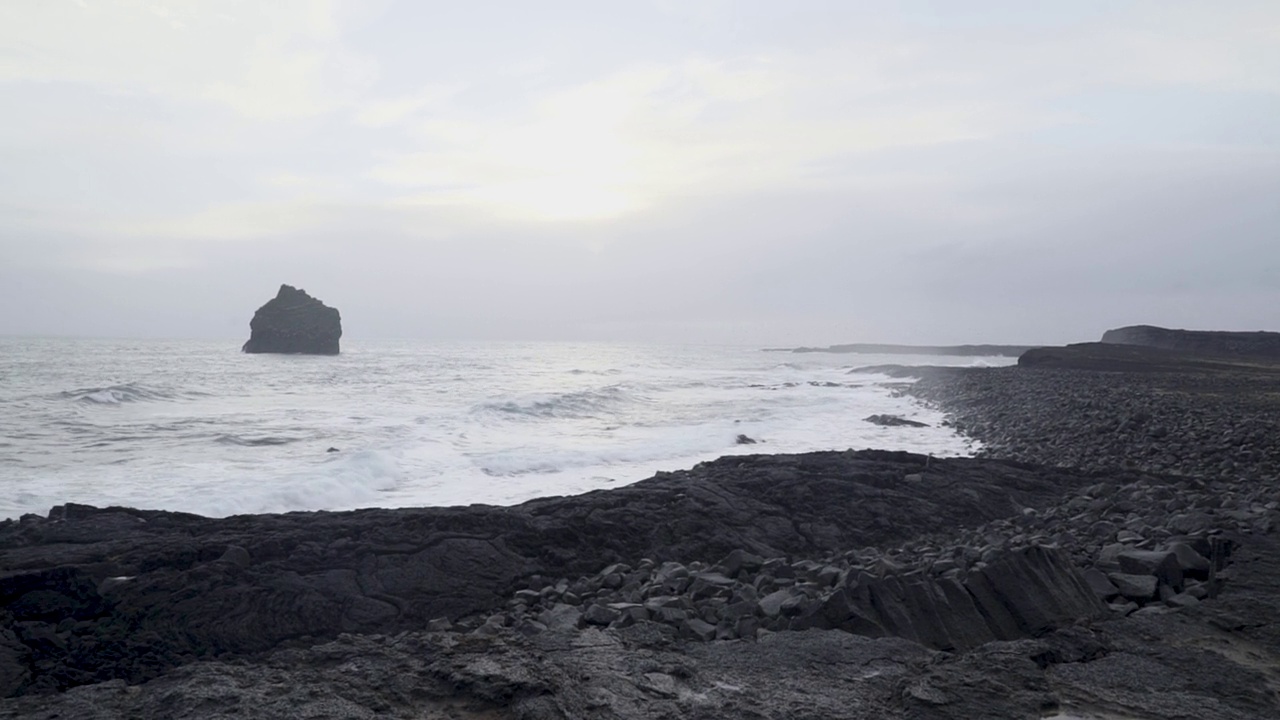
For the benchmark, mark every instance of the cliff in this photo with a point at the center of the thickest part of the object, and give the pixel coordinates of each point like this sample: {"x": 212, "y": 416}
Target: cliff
{"x": 1198, "y": 342}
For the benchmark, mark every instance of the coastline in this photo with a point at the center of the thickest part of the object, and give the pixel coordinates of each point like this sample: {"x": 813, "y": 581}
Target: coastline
{"x": 449, "y": 597}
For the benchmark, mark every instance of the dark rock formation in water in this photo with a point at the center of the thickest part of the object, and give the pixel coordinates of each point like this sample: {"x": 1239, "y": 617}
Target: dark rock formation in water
{"x": 894, "y": 421}
{"x": 1198, "y": 342}
{"x": 294, "y": 323}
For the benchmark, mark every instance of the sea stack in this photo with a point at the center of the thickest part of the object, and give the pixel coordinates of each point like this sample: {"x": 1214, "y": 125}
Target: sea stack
{"x": 293, "y": 322}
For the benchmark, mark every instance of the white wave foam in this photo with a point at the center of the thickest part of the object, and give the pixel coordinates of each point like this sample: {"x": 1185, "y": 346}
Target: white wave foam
{"x": 358, "y": 479}
{"x": 124, "y": 393}
{"x": 255, "y": 441}
{"x": 575, "y": 404}
{"x": 422, "y": 424}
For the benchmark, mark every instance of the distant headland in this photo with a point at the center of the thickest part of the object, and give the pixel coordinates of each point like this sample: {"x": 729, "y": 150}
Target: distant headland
{"x": 1151, "y": 349}
{"x": 887, "y": 349}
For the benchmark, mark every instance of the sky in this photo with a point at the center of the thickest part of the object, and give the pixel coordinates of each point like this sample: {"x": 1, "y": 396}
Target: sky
{"x": 692, "y": 171}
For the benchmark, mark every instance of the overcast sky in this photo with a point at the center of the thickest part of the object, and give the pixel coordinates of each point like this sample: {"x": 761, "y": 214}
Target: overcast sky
{"x": 672, "y": 170}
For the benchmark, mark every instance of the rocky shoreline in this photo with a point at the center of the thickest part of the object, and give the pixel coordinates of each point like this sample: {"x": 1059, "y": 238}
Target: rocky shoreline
{"x": 1112, "y": 553}
{"x": 1211, "y": 424}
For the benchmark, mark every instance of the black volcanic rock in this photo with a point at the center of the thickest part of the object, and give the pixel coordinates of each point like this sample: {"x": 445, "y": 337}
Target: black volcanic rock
{"x": 1199, "y": 342}
{"x": 894, "y": 421}
{"x": 1117, "y": 357}
{"x": 293, "y": 322}
{"x": 149, "y": 590}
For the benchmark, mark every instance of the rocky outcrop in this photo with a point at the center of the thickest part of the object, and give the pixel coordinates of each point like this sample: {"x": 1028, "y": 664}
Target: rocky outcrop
{"x": 963, "y": 618}
{"x": 947, "y": 606}
{"x": 293, "y": 322}
{"x": 1199, "y": 342}
{"x": 96, "y": 594}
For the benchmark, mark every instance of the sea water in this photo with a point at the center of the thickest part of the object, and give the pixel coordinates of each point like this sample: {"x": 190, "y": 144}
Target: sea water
{"x": 198, "y": 426}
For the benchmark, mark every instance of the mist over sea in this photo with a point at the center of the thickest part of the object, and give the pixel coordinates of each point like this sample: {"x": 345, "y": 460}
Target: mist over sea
{"x": 197, "y": 426}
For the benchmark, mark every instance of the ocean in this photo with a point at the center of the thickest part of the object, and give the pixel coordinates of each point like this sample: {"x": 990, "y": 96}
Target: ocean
{"x": 197, "y": 426}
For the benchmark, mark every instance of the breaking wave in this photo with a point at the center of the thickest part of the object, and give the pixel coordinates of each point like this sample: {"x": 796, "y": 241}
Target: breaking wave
{"x": 116, "y": 395}
{"x": 254, "y": 441}
{"x": 577, "y": 404}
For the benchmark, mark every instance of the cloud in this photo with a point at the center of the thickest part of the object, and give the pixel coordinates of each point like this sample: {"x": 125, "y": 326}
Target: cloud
{"x": 264, "y": 61}
{"x": 393, "y": 111}
{"x": 623, "y": 143}
{"x": 758, "y": 167}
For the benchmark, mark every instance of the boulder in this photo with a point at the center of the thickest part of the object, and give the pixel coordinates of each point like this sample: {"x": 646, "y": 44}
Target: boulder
{"x": 561, "y": 617}
{"x": 14, "y": 657}
{"x": 1020, "y": 593}
{"x": 1098, "y": 581}
{"x": 1192, "y": 563}
{"x": 1161, "y": 564}
{"x": 295, "y": 323}
{"x": 600, "y": 615}
{"x": 741, "y": 560}
{"x": 698, "y": 629}
{"x": 1041, "y": 588}
{"x": 771, "y": 604}
{"x": 1135, "y": 587}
